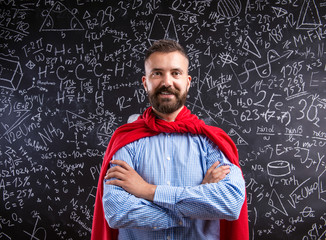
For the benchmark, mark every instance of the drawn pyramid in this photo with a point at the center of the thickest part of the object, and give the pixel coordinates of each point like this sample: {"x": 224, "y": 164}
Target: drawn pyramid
{"x": 275, "y": 202}
{"x": 75, "y": 120}
{"x": 240, "y": 140}
{"x": 163, "y": 27}
{"x": 279, "y": 12}
{"x": 59, "y": 18}
{"x": 309, "y": 16}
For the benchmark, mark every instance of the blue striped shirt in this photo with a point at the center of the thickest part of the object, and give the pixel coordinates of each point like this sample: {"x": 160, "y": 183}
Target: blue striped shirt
{"x": 182, "y": 208}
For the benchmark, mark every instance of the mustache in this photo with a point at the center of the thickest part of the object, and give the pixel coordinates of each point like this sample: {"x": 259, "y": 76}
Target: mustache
{"x": 168, "y": 90}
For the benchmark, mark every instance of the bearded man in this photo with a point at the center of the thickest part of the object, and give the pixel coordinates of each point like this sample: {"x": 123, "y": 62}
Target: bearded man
{"x": 168, "y": 175}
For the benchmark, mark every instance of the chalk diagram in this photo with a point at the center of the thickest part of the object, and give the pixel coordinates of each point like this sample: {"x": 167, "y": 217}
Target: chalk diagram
{"x": 164, "y": 28}
{"x": 263, "y": 70}
{"x": 229, "y": 9}
{"x": 60, "y": 18}
{"x": 80, "y": 124}
{"x": 239, "y": 140}
{"x": 275, "y": 202}
{"x": 74, "y": 120}
{"x": 309, "y": 16}
{"x": 279, "y": 12}
{"x": 278, "y": 168}
{"x": 251, "y": 47}
{"x": 10, "y": 73}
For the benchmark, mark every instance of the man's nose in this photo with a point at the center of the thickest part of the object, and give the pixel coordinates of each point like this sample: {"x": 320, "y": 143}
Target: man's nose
{"x": 167, "y": 80}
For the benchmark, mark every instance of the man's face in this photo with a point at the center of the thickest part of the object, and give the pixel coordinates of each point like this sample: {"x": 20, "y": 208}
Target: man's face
{"x": 166, "y": 81}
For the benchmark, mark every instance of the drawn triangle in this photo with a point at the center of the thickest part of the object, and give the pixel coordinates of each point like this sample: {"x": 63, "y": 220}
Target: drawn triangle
{"x": 86, "y": 15}
{"x": 75, "y": 120}
{"x": 275, "y": 202}
{"x": 309, "y": 16}
{"x": 163, "y": 27}
{"x": 279, "y": 12}
{"x": 250, "y": 46}
{"x": 171, "y": 32}
{"x": 59, "y": 18}
{"x": 240, "y": 140}
{"x": 208, "y": 51}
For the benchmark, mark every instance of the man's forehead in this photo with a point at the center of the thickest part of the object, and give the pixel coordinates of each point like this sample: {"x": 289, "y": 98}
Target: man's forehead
{"x": 154, "y": 60}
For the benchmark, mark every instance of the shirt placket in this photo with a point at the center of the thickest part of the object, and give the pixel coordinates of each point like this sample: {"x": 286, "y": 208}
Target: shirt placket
{"x": 168, "y": 176}
{"x": 168, "y": 158}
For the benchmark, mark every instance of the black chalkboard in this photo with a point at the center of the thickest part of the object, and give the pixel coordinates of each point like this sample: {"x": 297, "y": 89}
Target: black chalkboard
{"x": 70, "y": 74}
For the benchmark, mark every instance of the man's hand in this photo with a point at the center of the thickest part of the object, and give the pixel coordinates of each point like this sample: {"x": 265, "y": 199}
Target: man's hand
{"x": 214, "y": 175}
{"x": 130, "y": 180}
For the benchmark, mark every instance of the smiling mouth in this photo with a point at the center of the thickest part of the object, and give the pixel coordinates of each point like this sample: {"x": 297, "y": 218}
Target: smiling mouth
{"x": 166, "y": 93}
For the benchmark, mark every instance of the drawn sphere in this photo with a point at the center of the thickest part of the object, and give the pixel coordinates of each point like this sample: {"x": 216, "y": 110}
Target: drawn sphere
{"x": 229, "y": 8}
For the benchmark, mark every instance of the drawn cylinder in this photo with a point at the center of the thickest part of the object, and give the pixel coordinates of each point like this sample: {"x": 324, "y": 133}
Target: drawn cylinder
{"x": 278, "y": 168}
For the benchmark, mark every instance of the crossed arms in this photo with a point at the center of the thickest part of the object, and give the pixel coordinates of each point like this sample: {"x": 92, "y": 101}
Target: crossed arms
{"x": 124, "y": 176}
{"x": 131, "y": 202}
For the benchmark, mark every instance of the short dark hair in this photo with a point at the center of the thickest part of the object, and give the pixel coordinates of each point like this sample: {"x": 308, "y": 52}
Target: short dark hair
{"x": 166, "y": 46}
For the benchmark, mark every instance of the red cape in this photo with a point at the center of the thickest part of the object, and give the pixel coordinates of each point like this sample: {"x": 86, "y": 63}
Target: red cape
{"x": 148, "y": 125}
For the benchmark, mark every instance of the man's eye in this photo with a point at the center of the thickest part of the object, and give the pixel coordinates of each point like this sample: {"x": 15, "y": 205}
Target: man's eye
{"x": 156, "y": 73}
{"x": 176, "y": 73}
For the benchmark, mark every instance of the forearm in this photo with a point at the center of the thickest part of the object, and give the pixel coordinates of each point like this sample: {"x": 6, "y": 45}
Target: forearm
{"x": 123, "y": 210}
{"x": 222, "y": 200}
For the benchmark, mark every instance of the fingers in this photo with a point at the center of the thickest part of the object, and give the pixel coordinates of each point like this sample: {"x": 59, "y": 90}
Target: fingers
{"x": 115, "y": 182}
{"x": 117, "y": 175}
{"x": 112, "y": 172}
{"x": 220, "y": 172}
{"x": 224, "y": 168}
{"x": 117, "y": 171}
{"x": 121, "y": 163}
{"x": 214, "y": 169}
{"x": 213, "y": 166}
{"x": 121, "y": 167}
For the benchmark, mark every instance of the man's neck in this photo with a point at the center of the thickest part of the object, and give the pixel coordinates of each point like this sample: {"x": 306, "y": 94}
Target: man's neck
{"x": 169, "y": 117}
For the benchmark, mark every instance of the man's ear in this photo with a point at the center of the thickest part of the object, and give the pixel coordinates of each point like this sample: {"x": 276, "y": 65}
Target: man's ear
{"x": 189, "y": 80}
{"x": 143, "y": 79}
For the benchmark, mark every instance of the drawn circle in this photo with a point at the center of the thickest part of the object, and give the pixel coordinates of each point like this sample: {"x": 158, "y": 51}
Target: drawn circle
{"x": 278, "y": 168}
{"x": 229, "y": 8}
{"x": 226, "y": 58}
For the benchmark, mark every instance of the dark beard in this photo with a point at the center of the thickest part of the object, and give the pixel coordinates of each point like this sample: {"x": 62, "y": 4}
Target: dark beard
{"x": 167, "y": 106}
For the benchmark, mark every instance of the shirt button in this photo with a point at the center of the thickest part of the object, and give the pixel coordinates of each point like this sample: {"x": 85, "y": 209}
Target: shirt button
{"x": 168, "y": 158}
{"x": 154, "y": 228}
{"x": 180, "y": 223}
{"x": 168, "y": 183}
{"x": 168, "y": 237}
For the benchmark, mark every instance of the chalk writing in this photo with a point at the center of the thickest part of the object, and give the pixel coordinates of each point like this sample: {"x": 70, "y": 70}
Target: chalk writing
{"x": 70, "y": 75}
